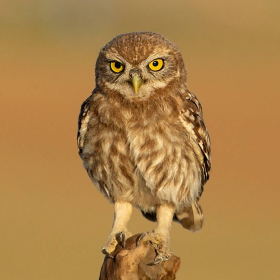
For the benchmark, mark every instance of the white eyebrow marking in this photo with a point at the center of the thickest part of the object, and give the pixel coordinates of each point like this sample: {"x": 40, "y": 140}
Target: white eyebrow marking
{"x": 115, "y": 56}
{"x": 154, "y": 56}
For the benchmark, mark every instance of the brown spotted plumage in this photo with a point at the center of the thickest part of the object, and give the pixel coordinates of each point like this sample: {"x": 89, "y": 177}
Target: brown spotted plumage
{"x": 142, "y": 137}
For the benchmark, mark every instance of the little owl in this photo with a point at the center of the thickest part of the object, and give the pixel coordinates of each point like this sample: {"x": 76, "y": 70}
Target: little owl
{"x": 143, "y": 140}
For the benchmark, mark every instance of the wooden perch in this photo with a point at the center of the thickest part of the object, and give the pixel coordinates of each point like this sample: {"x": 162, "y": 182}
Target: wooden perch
{"x": 132, "y": 263}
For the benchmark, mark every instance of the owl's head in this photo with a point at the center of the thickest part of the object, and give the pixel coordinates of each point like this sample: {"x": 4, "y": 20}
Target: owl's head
{"x": 140, "y": 64}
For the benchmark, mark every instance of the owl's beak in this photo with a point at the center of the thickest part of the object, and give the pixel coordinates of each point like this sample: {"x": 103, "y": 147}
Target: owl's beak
{"x": 136, "y": 82}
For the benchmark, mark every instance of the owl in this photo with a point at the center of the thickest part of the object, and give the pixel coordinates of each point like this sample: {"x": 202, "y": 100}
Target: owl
{"x": 143, "y": 140}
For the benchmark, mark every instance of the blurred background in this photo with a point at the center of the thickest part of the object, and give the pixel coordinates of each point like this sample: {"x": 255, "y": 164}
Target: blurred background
{"x": 53, "y": 221}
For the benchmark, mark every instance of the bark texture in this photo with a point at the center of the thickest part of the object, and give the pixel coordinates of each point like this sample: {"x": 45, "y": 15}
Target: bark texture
{"x": 134, "y": 263}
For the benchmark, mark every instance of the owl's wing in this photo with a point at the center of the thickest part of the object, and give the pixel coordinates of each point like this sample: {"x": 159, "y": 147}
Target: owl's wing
{"x": 82, "y": 123}
{"x": 192, "y": 119}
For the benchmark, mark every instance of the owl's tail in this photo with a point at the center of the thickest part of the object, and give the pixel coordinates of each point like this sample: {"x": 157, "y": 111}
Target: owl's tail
{"x": 190, "y": 217}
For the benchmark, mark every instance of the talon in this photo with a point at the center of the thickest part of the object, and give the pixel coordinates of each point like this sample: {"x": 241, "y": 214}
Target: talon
{"x": 120, "y": 237}
{"x": 140, "y": 238}
{"x": 114, "y": 240}
{"x": 168, "y": 256}
{"x": 104, "y": 251}
{"x": 157, "y": 260}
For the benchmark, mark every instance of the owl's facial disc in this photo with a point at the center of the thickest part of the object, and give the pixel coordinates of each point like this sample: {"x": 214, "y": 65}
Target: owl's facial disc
{"x": 140, "y": 65}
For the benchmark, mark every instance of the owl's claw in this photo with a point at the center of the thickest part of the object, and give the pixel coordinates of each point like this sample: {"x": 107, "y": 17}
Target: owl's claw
{"x": 161, "y": 258}
{"x": 114, "y": 240}
{"x": 160, "y": 243}
{"x": 104, "y": 251}
{"x": 108, "y": 249}
{"x": 120, "y": 237}
{"x": 140, "y": 238}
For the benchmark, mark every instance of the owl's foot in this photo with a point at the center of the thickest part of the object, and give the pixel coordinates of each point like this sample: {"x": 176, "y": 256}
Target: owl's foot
{"x": 114, "y": 240}
{"x": 160, "y": 243}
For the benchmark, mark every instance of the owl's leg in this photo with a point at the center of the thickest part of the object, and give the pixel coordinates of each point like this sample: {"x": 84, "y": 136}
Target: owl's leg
{"x": 123, "y": 211}
{"x": 159, "y": 237}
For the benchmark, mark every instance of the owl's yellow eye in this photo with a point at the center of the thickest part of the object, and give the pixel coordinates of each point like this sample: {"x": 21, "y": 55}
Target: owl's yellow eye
{"x": 156, "y": 64}
{"x": 116, "y": 66}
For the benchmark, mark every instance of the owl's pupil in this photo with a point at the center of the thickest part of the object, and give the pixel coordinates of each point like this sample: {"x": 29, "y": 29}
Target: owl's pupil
{"x": 117, "y": 65}
{"x": 155, "y": 63}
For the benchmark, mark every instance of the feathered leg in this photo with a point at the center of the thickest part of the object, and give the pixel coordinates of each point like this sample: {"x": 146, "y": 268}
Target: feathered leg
{"x": 159, "y": 237}
{"x": 123, "y": 211}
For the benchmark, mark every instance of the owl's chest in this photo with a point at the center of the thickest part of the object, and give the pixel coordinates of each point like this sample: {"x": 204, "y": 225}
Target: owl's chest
{"x": 151, "y": 139}
{"x": 138, "y": 156}
{"x": 135, "y": 136}
{"x": 138, "y": 140}
{"x": 158, "y": 146}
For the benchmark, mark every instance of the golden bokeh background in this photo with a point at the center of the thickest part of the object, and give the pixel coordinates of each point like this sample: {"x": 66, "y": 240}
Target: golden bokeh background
{"x": 53, "y": 221}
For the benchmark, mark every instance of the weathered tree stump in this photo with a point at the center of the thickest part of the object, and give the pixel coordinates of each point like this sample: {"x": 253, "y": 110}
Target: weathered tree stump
{"x": 134, "y": 263}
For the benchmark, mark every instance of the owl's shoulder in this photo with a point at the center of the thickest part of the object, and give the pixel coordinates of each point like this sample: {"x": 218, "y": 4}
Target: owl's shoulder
{"x": 100, "y": 113}
{"x": 192, "y": 103}
{"x": 83, "y": 121}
